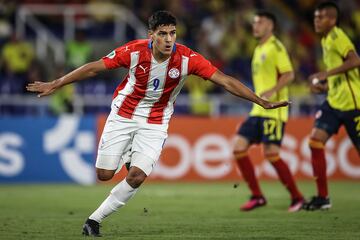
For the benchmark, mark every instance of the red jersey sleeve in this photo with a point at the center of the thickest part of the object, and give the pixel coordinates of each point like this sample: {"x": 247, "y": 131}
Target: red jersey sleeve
{"x": 120, "y": 57}
{"x": 200, "y": 66}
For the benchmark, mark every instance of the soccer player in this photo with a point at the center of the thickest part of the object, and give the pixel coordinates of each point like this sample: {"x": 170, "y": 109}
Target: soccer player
{"x": 142, "y": 105}
{"x": 341, "y": 80}
{"x": 272, "y": 72}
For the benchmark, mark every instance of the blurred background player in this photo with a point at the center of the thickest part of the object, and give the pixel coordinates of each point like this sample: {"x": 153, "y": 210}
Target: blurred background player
{"x": 142, "y": 105}
{"x": 272, "y": 71}
{"x": 341, "y": 80}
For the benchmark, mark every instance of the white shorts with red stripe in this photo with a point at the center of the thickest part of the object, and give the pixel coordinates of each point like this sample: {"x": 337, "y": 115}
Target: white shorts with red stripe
{"x": 124, "y": 138}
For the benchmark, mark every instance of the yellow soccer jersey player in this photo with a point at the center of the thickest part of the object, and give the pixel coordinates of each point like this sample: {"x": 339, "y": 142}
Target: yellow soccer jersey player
{"x": 341, "y": 80}
{"x": 271, "y": 71}
{"x": 270, "y": 60}
{"x": 344, "y": 88}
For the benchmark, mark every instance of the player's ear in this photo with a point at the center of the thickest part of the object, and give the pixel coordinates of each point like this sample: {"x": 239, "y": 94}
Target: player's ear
{"x": 150, "y": 33}
{"x": 333, "y": 21}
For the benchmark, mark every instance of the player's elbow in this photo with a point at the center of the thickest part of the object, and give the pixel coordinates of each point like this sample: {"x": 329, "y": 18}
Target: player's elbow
{"x": 93, "y": 68}
{"x": 228, "y": 83}
{"x": 289, "y": 77}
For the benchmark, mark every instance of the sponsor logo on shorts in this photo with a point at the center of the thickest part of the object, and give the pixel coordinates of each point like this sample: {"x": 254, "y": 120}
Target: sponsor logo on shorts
{"x": 318, "y": 114}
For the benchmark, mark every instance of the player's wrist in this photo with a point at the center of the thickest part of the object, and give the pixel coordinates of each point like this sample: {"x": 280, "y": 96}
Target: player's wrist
{"x": 327, "y": 74}
{"x": 56, "y": 83}
{"x": 263, "y": 102}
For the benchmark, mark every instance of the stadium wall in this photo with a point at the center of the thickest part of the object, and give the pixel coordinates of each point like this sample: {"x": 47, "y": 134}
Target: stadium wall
{"x": 198, "y": 149}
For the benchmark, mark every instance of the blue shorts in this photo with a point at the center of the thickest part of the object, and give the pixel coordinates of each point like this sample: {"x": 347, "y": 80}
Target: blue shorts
{"x": 330, "y": 120}
{"x": 262, "y": 130}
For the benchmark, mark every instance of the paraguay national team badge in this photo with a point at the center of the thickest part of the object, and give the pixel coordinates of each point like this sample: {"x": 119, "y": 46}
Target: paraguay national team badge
{"x": 174, "y": 73}
{"x": 318, "y": 114}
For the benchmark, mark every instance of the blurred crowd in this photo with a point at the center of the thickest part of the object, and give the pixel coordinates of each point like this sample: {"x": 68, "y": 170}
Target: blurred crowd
{"x": 218, "y": 29}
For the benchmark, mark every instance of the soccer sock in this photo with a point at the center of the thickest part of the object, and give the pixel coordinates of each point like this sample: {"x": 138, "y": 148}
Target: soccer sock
{"x": 118, "y": 197}
{"x": 319, "y": 166}
{"x": 248, "y": 172}
{"x": 285, "y": 175}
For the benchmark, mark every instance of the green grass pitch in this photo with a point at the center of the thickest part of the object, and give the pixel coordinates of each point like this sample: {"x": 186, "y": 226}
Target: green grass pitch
{"x": 176, "y": 211}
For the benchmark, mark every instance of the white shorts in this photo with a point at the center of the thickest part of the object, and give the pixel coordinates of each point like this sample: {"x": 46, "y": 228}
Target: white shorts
{"x": 125, "y": 140}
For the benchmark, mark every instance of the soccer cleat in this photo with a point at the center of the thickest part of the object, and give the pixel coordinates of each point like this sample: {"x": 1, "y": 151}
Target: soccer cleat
{"x": 91, "y": 228}
{"x": 318, "y": 203}
{"x": 296, "y": 205}
{"x": 254, "y": 202}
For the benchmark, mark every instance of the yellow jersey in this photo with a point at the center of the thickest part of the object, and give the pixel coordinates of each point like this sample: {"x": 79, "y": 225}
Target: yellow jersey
{"x": 344, "y": 88}
{"x": 269, "y": 61}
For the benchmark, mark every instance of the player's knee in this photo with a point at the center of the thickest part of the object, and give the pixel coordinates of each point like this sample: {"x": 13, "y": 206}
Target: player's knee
{"x": 315, "y": 143}
{"x": 104, "y": 175}
{"x": 272, "y": 157}
{"x": 240, "y": 148}
{"x": 318, "y": 138}
{"x": 135, "y": 178}
{"x": 271, "y": 152}
{"x": 240, "y": 153}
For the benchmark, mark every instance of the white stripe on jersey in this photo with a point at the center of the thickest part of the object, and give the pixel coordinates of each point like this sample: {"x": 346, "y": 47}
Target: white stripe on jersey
{"x": 129, "y": 87}
{"x": 152, "y": 95}
{"x": 168, "y": 111}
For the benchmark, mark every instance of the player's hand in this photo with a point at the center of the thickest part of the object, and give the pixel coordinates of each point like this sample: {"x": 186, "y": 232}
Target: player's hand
{"x": 271, "y": 105}
{"x": 43, "y": 88}
{"x": 267, "y": 94}
{"x": 320, "y": 76}
{"x": 318, "y": 82}
{"x": 320, "y": 87}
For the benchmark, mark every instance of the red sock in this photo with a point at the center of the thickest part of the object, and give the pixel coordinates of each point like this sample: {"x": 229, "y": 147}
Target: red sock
{"x": 319, "y": 166}
{"x": 285, "y": 176}
{"x": 248, "y": 172}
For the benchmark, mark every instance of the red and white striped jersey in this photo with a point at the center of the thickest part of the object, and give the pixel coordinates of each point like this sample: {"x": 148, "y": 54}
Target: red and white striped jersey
{"x": 149, "y": 90}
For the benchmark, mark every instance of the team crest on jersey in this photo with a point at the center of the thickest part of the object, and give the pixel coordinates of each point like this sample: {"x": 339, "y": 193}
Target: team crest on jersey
{"x": 318, "y": 114}
{"x": 111, "y": 55}
{"x": 174, "y": 73}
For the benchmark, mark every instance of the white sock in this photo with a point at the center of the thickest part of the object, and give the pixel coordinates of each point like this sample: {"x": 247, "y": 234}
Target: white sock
{"x": 118, "y": 197}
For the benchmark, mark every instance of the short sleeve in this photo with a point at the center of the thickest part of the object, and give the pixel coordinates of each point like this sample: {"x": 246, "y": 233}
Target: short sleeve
{"x": 343, "y": 44}
{"x": 200, "y": 66}
{"x": 283, "y": 62}
{"x": 120, "y": 57}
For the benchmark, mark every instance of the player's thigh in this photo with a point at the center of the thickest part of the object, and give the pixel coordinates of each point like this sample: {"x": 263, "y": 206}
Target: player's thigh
{"x": 146, "y": 148}
{"x": 271, "y": 149}
{"x": 319, "y": 134}
{"x": 352, "y": 126}
{"x": 327, "y": 123}
{"x": 143, "y": 162}
{"x": 248, "y": 133}
{"x": 114, "y": 142}
{"x": 241, "y": 144}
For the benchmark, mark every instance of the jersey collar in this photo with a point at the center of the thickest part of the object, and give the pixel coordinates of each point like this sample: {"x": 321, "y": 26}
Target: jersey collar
{"x": 272, "y": 37}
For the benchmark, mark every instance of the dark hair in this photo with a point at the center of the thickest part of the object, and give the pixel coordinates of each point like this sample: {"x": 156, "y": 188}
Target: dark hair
{"x": 160, "y": 18}
{"x": 268, "y": 15}
{"x": 327, "y": 5}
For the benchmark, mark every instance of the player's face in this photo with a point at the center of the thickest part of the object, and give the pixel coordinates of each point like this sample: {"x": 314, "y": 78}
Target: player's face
{"x": 322, "y": 22}
{"x": 261, "y": 26}
{"x": 164, "y": 38}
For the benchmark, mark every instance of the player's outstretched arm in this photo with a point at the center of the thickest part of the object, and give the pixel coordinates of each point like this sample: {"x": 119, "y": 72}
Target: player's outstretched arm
{"x": 352, "y": 60}
{"x": 238, "y": 89}
{"x": 87, "y": 70}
